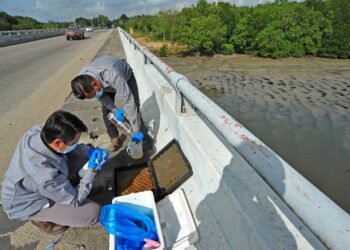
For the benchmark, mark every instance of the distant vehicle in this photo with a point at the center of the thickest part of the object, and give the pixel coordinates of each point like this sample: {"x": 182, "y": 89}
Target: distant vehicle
{"x": 89, "y": 29}
{"x": 74, "y": 32}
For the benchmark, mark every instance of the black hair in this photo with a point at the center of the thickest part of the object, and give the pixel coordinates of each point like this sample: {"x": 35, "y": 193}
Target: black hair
{"x": 62, "y": 125}
{"x": 81, "y": 84}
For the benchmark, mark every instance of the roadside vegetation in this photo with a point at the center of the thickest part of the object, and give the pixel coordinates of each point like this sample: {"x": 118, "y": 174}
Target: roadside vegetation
{"x": 8, "y": 22}
{"x": 279, "y": 29}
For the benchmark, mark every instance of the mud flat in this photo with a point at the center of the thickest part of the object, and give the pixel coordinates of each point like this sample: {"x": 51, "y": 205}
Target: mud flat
{"x": 300, "y": 107}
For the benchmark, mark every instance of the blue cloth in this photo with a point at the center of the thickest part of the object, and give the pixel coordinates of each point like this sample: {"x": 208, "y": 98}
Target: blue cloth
{"x": 68, "y": 149}
{"x": 129, "y": 227}
{"x": 99, "y": 93}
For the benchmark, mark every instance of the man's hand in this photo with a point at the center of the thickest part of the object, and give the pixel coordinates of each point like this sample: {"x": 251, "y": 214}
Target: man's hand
{"x": 97, "y": 157}
{"x": 137, "y": 137}
{"x": 120, "y": 115}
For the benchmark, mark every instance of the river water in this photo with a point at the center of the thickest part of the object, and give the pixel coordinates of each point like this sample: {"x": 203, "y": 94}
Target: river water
{"x": 298, "y": 107}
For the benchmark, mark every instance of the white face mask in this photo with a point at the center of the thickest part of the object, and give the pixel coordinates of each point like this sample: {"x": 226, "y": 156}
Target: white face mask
{"x": 69, "y": 149}
{"x": 99, "y": 93}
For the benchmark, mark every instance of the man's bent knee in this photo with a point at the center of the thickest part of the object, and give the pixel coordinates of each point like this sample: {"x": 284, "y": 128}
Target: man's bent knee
{"x": 91, "y": 214}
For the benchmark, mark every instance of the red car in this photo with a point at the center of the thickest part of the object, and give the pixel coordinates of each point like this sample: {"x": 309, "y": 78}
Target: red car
{"x": 75, "y": 33}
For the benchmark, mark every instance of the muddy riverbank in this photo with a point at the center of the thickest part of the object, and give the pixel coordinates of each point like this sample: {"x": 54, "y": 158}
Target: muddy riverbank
{"x": 300, "y": 107}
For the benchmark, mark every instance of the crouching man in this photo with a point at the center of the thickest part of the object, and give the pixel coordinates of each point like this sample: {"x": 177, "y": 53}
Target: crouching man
{"x": 36, "y": 185}
{"x": 107, "y": 78}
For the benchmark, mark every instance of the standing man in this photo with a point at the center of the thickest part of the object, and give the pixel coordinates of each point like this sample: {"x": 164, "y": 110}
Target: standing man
{"x": 105, "y": 78}
{"x": 36, "y": 185}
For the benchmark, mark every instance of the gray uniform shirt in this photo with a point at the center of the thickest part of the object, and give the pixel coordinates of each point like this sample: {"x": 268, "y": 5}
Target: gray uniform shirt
{"x": 113, "y": 74}
{"x": 37, "y": 176}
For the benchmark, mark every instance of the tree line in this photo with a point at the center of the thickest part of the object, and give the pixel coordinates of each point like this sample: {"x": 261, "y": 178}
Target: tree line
{"x": 278, "y": 29}
{"x": 8, "y": 22}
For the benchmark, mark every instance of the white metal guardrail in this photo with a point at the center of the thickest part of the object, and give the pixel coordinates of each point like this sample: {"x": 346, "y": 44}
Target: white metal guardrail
{"x": 325, "y": 218}
{"x": 26, "y": 32}
{"x": 20, "y": 36}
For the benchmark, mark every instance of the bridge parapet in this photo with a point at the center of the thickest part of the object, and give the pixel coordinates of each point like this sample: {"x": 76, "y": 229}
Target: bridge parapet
{"x": 223, "y": 155}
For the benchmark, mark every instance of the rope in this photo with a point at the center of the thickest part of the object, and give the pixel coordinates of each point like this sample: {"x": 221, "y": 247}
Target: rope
{"x": 52, "y": 244}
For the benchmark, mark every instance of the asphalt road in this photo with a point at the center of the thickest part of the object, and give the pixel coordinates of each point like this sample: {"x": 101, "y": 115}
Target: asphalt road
{"x": 23, "y": 67}
{"x": 34, "y": 82}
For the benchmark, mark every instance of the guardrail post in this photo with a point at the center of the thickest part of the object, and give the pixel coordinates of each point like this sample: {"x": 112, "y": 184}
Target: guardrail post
{"x": 179, "y": 103}
{"x": 179, "y": 98}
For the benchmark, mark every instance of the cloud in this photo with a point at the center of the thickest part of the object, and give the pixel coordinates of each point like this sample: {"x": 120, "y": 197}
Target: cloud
{"x": 98, "y": 7}
{"x": 61, "y": 10}
{"x": 64, "y": 10}
{"x": 147, "y": 6}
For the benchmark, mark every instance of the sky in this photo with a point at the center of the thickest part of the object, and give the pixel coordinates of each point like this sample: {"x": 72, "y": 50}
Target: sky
{"x": 64, "y": 10}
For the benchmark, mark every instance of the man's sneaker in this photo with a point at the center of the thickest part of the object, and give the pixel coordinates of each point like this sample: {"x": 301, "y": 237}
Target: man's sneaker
{"x": 50, "y": 227}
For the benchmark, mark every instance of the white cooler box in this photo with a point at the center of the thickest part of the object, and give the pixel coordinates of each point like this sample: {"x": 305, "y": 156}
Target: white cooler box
{"x": 172, "y": 217}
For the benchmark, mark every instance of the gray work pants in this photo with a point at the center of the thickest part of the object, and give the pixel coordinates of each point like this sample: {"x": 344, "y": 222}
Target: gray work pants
{"x": 85, "y": 215}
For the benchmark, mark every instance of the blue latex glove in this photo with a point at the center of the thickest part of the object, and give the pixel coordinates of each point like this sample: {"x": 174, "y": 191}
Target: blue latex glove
{"x": 120, "y": 115}
{"x": 137, "y": 137}
{"x": 97, "y": 157}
